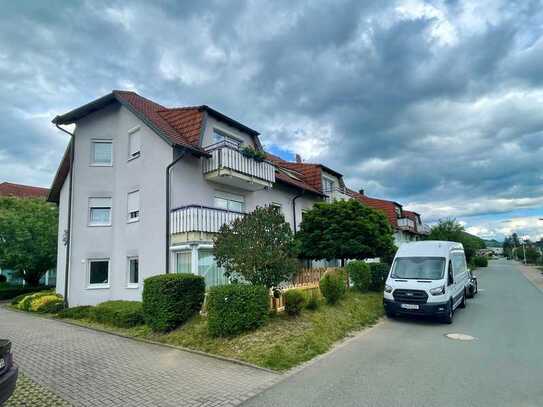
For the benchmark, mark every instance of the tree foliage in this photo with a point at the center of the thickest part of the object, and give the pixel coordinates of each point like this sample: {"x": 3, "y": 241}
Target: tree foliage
{"x": 344, "y": 230}
{"x": 28, "y": 237}
{"x": 452, "y": 231}
{"x": 259, "y": 247}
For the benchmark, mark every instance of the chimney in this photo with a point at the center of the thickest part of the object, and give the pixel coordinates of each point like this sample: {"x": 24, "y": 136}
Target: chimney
{"x": 298, "y": 158}
{"x": 361, "y": 191}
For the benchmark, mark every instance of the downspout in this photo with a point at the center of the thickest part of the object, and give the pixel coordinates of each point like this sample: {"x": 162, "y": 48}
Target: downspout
{"x": 69, "y": 224}
{"x": 168, "y": 207}
{"x": 294, "y": 209}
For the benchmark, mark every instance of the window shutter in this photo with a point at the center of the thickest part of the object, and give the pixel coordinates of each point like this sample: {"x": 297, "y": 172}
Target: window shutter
{"x": 100, "y": 202}
{"x": 134, "y": 201}
{"x": 134, "y": 144}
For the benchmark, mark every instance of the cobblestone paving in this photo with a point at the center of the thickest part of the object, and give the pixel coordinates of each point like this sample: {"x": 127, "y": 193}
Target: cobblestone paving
{"x": 30, "y": 394}
{"x": 88, "y": 368}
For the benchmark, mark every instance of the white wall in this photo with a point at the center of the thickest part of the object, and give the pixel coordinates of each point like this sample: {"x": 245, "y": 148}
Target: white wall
{"x": 62, "y": 227}
{"x": 214, "y": 123}
{"x": 145, "y": 238}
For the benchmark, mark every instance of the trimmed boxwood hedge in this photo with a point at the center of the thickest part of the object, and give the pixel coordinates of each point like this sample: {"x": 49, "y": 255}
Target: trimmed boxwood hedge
{"x": 379, "y": 274}
{"x": 171, "y": 299}
{"x": 360, "y": 274}
{"x": 123, "y": 314}
{"x": 333, "y": 286}
{"x": 236, "y": 308}
{"x": 79, "y": 312}
{"x": 295, "y": 301}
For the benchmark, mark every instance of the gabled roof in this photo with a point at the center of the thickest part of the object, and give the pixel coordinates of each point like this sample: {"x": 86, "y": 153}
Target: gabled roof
{"x": 22, "y": 191}
{"x": 387, "y": 207}
{"x": 289, "y": 175}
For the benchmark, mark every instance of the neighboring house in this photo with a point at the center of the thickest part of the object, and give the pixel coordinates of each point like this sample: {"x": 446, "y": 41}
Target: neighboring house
{"x": 25, "y": 191}
{"x": 122, "y": 146}
{"x": 407, "y": 225}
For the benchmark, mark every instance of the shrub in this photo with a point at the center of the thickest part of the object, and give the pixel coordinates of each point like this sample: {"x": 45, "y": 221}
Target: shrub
{"x": 294, "y": 301}
{"x": 3, "y": 278}
{"x": 480, "y": 261}
{"x": 26, "y": 303}
{"x": 122, "y": 314}
{"x": 47, "y": 304}
{"x": 379, "y": 274}
{"x": 313, "y": 300}
{"x": 360, "y": 275}
{"x": 236, "y": 308}
{"x": 11, "y": 291}
{"x": 171, "y": 299}
{"x": 332, "y": 286}
{"x": 80, "y": 312}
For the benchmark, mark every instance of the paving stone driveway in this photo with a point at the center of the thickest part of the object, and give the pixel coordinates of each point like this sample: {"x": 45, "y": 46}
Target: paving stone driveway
{"x": 88, "y": 368}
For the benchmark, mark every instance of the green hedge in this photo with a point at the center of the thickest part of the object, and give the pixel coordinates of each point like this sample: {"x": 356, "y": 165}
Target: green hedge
{"x": 480, "y": 261}
{"x": 379, "y": 274}
{"x": 8, "y": 292}
{"x": 122, "y": 314}
{"x": 333, "y": 286}
{"x": 295, "y": 300}
{"x": 25, "y": 304}
{"x": 360, "y": 274}
{"x": 236, "y": 308}
{"x": 171, "y": 299}
{"x": 50, "y": 304}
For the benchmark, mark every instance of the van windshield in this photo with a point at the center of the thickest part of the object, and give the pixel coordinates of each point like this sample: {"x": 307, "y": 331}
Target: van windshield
{"x": 422, "y": 268}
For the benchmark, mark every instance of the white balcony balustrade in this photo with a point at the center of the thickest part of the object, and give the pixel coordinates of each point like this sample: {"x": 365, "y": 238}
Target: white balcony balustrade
{"x": 197, "y": 218}
{"x": 406, "y": 224}
{"x": 228, "y": 165}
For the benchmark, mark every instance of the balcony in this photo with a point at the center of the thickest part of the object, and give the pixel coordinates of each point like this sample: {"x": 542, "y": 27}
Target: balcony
{"x": 423, "y": 229}
{"x": 197, "y": 218}
{"x": 227, "y": 165}
{"x": 406, "y": 224}
{"x": 337, "y": 194}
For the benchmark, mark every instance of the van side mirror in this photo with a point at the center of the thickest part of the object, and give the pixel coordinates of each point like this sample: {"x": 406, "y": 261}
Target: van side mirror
{"x": 451, "y": 279}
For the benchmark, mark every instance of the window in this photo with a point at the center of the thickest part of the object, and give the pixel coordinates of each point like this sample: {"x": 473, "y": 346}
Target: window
{"x": 99, "y": 273}
{"x": 102, "y": 153}
{"x": 327, "y": 185}
{"x": 183, "y": 262}
{"x": 133, "y": 206}
{"x": 207, "y": 268}
{"x": 277, "y": 206}
{"x": 424, "y": 268}
{"x": 99, "y": 211}
{"x": 458, "y": 263}
{"x": 230, "y": 202}
{"x": 219, "y": 136}
{"x": 398, "y": 211}
{"x": 134, "y": 143}
{"x": 133, "y": 271}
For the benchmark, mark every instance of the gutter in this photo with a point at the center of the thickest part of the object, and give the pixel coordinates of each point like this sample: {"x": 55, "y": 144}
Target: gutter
{"x": 69, "y": 223}
{"x": 168, "y": 207}
{"x": 294, "y": 209}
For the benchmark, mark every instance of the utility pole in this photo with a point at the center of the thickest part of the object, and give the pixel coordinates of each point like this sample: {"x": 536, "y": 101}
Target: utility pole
{"x": 524, "y": 250}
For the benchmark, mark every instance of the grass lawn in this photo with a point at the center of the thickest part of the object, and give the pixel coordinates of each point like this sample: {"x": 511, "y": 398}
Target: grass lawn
{"x": 283, "y": 342}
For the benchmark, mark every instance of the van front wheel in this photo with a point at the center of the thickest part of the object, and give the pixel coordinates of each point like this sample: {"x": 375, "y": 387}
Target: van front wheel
{"x": 448, "y": 318}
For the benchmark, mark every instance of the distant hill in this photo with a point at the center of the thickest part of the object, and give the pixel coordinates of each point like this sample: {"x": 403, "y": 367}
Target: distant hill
{"x": 492, "y": 243}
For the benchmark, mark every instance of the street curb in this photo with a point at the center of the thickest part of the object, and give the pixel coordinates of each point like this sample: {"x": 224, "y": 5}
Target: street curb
{"x": 166, "y": 345}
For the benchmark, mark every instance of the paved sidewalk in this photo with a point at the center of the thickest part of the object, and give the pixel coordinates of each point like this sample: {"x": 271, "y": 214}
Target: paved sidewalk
{"x": 88, "y": 368}
{"x": 532, "y": 273}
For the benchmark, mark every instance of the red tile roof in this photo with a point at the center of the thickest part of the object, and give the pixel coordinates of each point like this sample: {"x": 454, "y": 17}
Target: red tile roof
{"x": 387, "y": 207}
{"x": 22, "y": 191}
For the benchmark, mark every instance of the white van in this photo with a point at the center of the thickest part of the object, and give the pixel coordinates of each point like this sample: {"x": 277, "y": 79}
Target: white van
{"x": 427, "y": 278}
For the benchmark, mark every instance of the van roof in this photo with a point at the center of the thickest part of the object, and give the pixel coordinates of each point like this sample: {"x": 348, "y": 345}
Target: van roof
{"x": 428, "y": 248}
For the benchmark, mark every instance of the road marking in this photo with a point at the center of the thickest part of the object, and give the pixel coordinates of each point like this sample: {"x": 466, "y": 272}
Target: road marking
{"x": 460, "y": 337}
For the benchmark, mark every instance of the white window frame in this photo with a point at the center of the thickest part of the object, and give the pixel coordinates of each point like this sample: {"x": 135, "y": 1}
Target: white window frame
{"x": 277, "y": 205}
{"x": 94, "y": 225}
{"x": 229, "y": 197}
{"x": 128, "y": 283}
{"x": 226, "y": 137}
{"x": 98, "y": 285}
{"x": 101, "y": 141}
{"x": 326, "y": 179}
{"x": 128, "y": 218}
{"x": 131, "y": 135}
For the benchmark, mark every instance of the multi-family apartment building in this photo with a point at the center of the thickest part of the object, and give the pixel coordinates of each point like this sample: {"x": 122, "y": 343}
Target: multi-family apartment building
{"x": 143, "y": 188}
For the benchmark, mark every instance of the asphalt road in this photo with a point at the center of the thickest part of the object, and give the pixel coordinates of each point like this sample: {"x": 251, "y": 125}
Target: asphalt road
{"x": 410, "y": 362}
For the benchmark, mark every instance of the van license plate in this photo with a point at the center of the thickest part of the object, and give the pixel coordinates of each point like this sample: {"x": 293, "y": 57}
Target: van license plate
{"x": 410, "y": 306}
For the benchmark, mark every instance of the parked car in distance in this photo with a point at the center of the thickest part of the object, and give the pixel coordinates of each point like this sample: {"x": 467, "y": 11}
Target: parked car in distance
{"x": 8, "y": 372}
{"x": 427, "y": 278}
{"x": 472, "y": 288}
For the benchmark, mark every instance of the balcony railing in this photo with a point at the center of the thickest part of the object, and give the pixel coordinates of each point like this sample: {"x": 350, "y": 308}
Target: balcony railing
{"x": 197, "y": 218}
{"x": 337, "y": 194}
{"x": 226, "y": 159}
{"x": 406, "y": 224}
{"x": 424, "y": 229}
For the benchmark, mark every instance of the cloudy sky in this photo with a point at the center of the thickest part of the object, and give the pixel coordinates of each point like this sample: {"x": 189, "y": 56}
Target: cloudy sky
{"x": 437, "y": 105}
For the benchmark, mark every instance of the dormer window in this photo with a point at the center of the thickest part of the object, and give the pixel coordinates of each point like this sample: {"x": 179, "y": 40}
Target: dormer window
{"x": 220, "y": 136}
{"x": 328, "y": 185}
{"x": 398, "y": 211}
